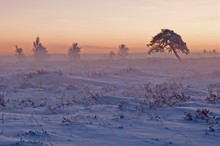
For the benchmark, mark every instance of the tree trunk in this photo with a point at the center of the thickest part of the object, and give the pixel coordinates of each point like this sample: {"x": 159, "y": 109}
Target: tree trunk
{"x": 177, "y": 56}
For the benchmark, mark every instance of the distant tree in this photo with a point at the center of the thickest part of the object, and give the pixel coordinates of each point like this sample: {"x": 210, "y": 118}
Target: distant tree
{"x": 204, "y": 51}
{"x": 214, "y": 51}
{"x": 39, "y": 50}
{"x": 19, "y": 53}
{"x": 112, "y": 54}
{"x": 74, "y": 51}
{"x": 168, "y": 40}
{"x": 123, "y": 51}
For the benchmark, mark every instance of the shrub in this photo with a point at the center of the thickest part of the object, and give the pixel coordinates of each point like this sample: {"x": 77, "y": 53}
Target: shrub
{"x": 202, "y": 114}
{"x": 2, "y": 100}
{"x": 70, "y": 121}
{"x": 24, "y": 85}
{"x": 213, "y": 95}
{"x": 71, "y": 86}
{"x": 164, "y": 94}
{"x": 169, "y": 94}
{"x": 205, "y": 115}
{"x": 36, "y": 73}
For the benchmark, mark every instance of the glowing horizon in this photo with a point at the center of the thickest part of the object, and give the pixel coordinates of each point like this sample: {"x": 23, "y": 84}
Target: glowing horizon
{"x": 99, "y": 26}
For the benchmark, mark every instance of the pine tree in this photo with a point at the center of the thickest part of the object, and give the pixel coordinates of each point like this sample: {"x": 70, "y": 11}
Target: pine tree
{"x": 168, "y": 40}
{"x": 19, "y": 53}
{"x": 74, "y": 51}
{"x": 40, "y": 52}
{"x": 123, "y": 51}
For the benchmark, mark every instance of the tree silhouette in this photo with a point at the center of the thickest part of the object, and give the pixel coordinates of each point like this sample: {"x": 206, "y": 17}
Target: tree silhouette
{"x": 123, "y": 51}
{"x": 214, "y": 51}
{"x": 111, "y": 54}
{"x": 168, "y": 40}
{"x": 39, "y": 50}
{"x": 19, "y": 53}
{"x": 74, "y": 51}
{"x": 204, "y": 51}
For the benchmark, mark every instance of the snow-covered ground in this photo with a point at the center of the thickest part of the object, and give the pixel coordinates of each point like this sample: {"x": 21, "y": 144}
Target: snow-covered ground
{"x": 151, "y": 101}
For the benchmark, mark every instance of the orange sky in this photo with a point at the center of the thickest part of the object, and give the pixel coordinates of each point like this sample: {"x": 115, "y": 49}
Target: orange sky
{"x": 99, "y": 26}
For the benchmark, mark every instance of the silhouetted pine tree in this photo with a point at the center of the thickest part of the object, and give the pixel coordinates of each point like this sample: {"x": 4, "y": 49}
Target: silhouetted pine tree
{"x": 168, "y": 40}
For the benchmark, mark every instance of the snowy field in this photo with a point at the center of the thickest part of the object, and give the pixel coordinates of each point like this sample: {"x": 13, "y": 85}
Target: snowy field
{"x": 151, "y": 101}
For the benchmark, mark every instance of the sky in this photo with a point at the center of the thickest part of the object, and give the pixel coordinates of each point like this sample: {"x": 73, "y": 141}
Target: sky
{"x": 100, "y": 26}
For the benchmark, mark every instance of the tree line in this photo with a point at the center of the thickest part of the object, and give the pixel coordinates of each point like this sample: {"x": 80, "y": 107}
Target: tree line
{"x": 40, "y": 52}
{"x": 165, "y": 41}
{"x": 213, "y": 51}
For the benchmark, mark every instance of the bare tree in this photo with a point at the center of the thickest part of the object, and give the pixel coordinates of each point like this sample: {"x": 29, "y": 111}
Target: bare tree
{"x": 112, "y": 54}
{"x": 39, "y": 50}
{"x": 123, "y": 51}
{"x": 74, "y": 51}
{"x": 19, "y": 53}
{"x": 168, "y": 40}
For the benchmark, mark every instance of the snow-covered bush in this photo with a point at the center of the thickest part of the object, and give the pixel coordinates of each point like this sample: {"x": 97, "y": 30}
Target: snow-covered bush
{"x": 2, "y": 100}
{"x": 71, "y": 86}
{"x": 108, "y": 88}
{"x": 97, "y": 73}
{"x": 24, "y": 85}
{"x": 125, "y": 70}
{"x": 70, "y": 121}
{"x": 188, "y": 116}
{"x": 213, "y": 95}
{"x": 36, "y": 73}
{"x": 164, "y": 94}
{"x": 90, "y": 98}
{"x": 53, "y": 109}
{"x": 121, "y": 105}
{"x": 205, "y": 115}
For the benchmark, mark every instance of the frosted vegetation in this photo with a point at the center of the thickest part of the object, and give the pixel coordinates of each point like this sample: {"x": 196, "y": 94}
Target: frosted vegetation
{"x": 112, "y": 99}
{"x": 133, "y": 101}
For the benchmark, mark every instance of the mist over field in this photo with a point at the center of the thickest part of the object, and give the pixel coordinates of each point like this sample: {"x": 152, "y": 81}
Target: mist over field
{"x": 142, "y": 100}
{"x": 109, "y": 73}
